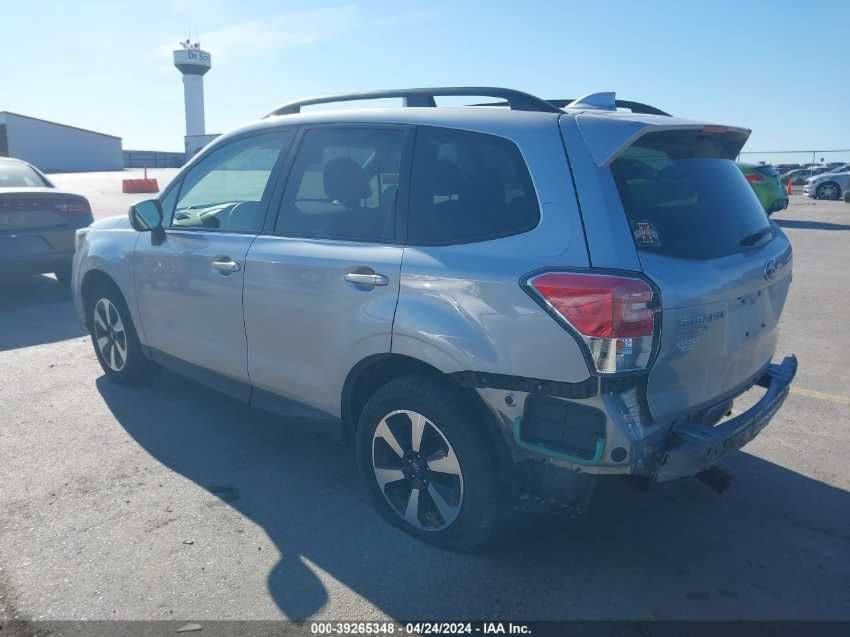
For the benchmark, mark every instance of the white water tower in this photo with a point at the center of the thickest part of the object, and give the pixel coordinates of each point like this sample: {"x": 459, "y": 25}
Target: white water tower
{"x": 193, "y": 63}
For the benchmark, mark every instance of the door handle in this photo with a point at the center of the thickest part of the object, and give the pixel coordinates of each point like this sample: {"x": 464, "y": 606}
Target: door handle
{"x": 226, "y": 265}
{"x": 363, "y": 278}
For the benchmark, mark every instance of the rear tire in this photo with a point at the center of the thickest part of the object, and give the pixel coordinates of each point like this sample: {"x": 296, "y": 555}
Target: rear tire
{"x": 116, "y": 343}
{"x": 427, "y": 464}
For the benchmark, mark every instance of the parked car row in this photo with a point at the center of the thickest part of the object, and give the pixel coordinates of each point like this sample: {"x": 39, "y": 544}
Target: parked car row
{"x": 783, "y": 169}
{"x": 830, "y": 182}
{"x": 492, "y": 307}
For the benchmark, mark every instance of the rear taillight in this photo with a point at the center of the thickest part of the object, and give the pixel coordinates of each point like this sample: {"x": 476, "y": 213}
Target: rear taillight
{"x": 72, "y": 207}
{"x": 614, "y": 315}
{"x": 754, "y": 178}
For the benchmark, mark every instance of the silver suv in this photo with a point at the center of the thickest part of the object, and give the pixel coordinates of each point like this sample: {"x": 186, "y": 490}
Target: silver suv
{"x": 493, "y": 305}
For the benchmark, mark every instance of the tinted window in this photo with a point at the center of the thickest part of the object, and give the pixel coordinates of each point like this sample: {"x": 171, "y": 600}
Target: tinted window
{"x": 224, "y": 190}
{"x": 685, "y": 199}
{"x": 14, "y": 174}
{"x": 468, "y": 187}
{"x": 344, "y": 185}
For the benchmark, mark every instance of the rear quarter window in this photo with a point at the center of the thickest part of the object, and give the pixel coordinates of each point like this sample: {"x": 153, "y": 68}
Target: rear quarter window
{"x": 468, "y": 187}
{"x": 685, "y": 198}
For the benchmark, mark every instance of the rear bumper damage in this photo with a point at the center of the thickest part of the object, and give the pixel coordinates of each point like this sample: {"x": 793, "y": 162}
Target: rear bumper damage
{"x": 694, "y": 447}
{"x": 599, "y": 433}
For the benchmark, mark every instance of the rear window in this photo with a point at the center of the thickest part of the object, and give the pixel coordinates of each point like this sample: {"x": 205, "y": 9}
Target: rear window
{"x": 468, "y": 187}
{"x": 684, "y": 197}
{"x": 15, "y": 175}
{"x": 768, "y": 171}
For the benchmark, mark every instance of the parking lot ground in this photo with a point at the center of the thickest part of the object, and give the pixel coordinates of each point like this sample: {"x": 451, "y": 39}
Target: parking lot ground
{"x": 103, "y": 189}
{"x": 175, "y": 502}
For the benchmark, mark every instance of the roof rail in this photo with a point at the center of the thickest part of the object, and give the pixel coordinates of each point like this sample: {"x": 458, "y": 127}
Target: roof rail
{"x": 517, "y": 100}
{"x": 634, "y": 107}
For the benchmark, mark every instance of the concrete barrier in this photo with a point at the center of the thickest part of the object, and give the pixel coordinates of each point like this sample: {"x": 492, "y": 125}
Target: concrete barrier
{"x": 139, "y": 185}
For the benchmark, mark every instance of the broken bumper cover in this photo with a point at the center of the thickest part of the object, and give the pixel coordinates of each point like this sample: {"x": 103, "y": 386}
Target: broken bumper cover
{"x": 695, "y": 447}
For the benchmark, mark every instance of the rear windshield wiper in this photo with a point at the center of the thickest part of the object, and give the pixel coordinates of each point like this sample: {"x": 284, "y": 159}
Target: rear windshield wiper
{"x": 754, "y": 238}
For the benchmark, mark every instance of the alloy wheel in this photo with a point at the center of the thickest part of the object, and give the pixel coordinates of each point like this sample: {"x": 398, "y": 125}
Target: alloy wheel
{"x": 417, "y": 470}
{"x": 110, "y": 335}
{"x": 829, "y": 191}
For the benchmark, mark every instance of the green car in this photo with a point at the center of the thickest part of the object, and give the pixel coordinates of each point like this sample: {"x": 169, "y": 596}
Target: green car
{"x": 766, "y": 184}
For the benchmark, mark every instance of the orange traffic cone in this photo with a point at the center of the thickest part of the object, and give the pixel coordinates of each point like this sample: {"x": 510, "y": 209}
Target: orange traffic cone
{"x": 789, "y": 187}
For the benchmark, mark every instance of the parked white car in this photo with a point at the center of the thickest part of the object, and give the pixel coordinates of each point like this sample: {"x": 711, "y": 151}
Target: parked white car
{"x": 828, "y": 185}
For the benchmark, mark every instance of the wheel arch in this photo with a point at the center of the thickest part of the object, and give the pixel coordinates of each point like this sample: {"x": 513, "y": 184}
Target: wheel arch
{"x": 830, "y": 182}
{"x": 93, "y": 279}
{"x": 371, "y": 373}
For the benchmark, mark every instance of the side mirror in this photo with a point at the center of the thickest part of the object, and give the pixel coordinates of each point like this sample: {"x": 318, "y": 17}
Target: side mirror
{"x": 146, "y": 216}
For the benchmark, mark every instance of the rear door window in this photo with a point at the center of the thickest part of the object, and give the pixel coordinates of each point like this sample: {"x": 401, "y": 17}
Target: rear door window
{"x": 684, "y": 197}
{"x": 468, "y": 187}
{"x": 344, "y": 185}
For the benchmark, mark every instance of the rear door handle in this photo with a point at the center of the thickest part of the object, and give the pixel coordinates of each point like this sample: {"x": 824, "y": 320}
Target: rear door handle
{"x": 226, "y": 265}
{"x": 363, "y": 278}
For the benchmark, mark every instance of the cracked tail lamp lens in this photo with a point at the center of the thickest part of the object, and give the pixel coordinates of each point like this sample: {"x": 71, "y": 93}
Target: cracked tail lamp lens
{"x": 614, "y": 315}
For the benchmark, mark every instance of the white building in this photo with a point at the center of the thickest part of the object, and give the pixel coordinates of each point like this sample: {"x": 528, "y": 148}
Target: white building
{"x": 57, "y": 147}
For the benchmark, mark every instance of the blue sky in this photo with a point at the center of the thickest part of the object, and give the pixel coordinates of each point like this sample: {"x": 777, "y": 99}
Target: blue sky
{"x": 780, "y": 68}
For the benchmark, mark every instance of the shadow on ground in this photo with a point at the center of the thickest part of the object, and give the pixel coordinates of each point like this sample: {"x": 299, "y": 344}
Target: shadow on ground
{"x": 775, "y": 545}
{"x": 810, "y": 225}
{"x": 34, "y": 311}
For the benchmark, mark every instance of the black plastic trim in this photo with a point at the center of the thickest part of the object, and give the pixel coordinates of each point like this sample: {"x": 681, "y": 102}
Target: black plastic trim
{"x": 295, "y": 412}
{"x": 234, "y": 388}
{"x": 561, "y": 389}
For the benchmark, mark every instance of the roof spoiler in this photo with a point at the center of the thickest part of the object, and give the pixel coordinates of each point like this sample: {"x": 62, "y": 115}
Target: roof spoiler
{"x": 606, "y": 138}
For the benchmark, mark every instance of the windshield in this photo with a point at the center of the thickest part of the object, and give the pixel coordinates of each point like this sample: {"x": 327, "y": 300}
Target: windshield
{"x": 19, "y": 175}
{"x": 684, "y": 199}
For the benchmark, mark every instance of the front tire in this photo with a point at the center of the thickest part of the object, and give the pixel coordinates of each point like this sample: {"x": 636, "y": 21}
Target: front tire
{"x": 116, "y": 343}
{"x": 829, "y": 191}
{"x": 428, "y": 466}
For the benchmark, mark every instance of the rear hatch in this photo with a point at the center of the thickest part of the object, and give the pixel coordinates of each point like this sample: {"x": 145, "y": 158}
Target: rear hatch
{"x": 33, "y": 209}
{"x": 772, "y": 179}
{"x": 723, "y": 269}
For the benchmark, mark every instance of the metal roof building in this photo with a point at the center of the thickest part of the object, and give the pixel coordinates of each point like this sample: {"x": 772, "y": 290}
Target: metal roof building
{"x": 54, "y": 147}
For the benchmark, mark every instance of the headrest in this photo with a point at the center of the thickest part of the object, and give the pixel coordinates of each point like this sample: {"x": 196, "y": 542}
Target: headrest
{"x": 346, "y": 181}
